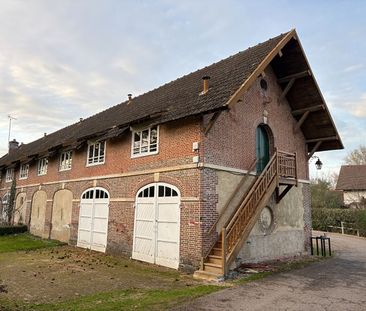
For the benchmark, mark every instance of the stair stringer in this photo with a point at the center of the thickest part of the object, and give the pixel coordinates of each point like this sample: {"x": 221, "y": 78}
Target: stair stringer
{"x": 253, "y": 220}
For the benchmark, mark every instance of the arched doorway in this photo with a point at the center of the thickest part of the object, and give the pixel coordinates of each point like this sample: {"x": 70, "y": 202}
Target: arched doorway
{"x": 262, "y": 147}
{"x": 61, "y": 215}
{"x": 38, "y": 214}
{"x": 93, "y": 219}
{"x": 157, "y": 225}
{"x": 20, "y": 208}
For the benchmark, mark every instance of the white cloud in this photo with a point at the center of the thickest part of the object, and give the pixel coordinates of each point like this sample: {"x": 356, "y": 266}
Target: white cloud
{"x": 353, "y": 68}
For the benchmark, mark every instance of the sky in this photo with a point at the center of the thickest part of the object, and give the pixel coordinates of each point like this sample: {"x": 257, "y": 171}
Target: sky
{"x": 65, "y": 60}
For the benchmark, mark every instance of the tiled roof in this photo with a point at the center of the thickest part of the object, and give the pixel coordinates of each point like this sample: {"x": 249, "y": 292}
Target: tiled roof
{"x": 174, "y": 100}
{"x": 352, "y": 177}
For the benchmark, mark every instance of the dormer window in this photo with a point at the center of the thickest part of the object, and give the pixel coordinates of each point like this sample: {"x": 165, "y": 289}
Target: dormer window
{"x": 96, "y": 153}
{"x": 65, "y": 161}
{"x": 9, "y": 175}
{"x": 23, "y": 172}
{"x": 145, "y": 142}
{"x": 42, "y": 166}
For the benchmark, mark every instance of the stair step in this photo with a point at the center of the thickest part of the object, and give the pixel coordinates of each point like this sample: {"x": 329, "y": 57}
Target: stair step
{"x": 209, "y": 276}
{"x": 215, "y": 256}
{"x": 212, "y": 267}
{"x": 216, "y": 251}
{"x": 214, "y": 259}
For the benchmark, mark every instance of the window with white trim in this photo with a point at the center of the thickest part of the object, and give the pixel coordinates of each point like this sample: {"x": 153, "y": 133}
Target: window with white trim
{"x": 96, "y": 153}
{"x": 9, "y": 175}
{"x": 42, "y": 166}
{"x": 65, "y": 161}
{"x": 145, "y": 142}
{"x": 23, "y": 172}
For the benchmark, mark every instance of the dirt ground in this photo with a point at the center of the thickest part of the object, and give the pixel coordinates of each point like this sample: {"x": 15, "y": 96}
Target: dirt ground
{"x": 335, "y": 284}
{"x": 52, "y": 275}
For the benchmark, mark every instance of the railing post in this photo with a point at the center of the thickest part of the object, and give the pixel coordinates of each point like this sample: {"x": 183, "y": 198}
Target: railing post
{"x": 296, "y": 168}
{"x": 224, "y": 251}
{"x": 277, "y": 169}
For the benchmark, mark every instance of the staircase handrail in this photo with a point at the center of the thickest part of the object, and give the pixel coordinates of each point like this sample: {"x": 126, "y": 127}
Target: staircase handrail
{"x": 240, "y": 184}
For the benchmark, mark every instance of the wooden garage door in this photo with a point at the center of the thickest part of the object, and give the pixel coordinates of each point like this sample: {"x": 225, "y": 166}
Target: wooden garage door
{"x": 93, "y": 219}
{"x": 157, "y": 225}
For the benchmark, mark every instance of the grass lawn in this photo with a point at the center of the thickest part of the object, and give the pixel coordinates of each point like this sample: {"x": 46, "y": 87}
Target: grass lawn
{"x": 130, "y": 299}
{"x": 24, "y": 242}
{"x": 51, "y": 276}
{"x": 37, "y": 275}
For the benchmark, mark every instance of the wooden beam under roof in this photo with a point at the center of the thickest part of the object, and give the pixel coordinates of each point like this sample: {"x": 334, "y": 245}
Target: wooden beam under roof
{"x": 301, "y": 121}
{"x": 298, "y": 75}
{"x": 315, "y": 148}
{"x": 310, "y": 109}
{"x": 314, "y": 140}
{"x": 287, "y": 89}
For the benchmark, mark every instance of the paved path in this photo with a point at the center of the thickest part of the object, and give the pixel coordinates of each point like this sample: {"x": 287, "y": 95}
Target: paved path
{"x": 335, "y": 284}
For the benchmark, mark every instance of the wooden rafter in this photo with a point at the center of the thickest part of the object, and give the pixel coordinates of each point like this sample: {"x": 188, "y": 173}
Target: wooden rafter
{"x": 297, "y": 75}
{"x": 310, "y": 109}
{"x": 287, "y": 89}
{"x": 315, "y": 148}
{"x": 261, "y": 67}
{"x": 314, "y": 140}
{"x": 301, "y": 121}
{"x": 212, "y": 121}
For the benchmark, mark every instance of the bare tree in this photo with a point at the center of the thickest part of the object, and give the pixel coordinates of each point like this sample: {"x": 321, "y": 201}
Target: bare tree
{"x": 357, "y": 156}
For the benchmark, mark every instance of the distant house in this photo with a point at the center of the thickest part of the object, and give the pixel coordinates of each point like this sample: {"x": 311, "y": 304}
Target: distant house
{"x": 207, "y": 171}
{"x": 352, "y": 182}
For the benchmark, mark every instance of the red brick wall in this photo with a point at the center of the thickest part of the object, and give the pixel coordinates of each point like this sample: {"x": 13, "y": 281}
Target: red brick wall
{"x": 231, "y": 141}
{"x": 175, "y": 148}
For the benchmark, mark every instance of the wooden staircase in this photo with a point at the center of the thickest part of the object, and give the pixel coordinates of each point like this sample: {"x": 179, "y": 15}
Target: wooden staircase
{"x": 281, "y": 170}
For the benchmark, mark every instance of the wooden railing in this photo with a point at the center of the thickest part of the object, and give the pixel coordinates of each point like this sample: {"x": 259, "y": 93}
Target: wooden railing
{"x": 281, "y": 164}
{"x": 233, "y": 194}
{"x": 287, "y": 167}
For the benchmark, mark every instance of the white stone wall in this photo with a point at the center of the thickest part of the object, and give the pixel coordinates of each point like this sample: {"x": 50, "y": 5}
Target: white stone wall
{"x": 353, "y": 196}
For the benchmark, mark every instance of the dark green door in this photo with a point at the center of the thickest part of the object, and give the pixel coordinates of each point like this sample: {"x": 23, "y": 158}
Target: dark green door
{"x": 262, "y": 148}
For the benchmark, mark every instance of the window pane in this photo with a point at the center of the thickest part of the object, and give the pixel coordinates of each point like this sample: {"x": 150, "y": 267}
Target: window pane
{"x": 168, "y": 192}
{"x": 137, "y": 137}
{"x": 146, "y": 193}
{"x": 161, "y": 191}
{"x": 174, "y": 193}
{"x": 152, "y": 192}
{"x": 153, "y": 135}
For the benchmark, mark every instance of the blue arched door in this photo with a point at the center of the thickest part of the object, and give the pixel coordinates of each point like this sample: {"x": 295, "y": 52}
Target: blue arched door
{"x": 262, "y": 148}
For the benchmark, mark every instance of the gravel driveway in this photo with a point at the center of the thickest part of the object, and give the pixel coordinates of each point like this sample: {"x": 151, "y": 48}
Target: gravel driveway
{"x": 335, "y": 284}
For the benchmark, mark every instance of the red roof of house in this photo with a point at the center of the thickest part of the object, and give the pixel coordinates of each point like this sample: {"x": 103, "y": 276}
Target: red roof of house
{"x": 352, "y": 177}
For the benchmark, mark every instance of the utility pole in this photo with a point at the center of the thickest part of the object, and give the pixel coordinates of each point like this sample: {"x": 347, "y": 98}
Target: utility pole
{"x": 10, "y": 119}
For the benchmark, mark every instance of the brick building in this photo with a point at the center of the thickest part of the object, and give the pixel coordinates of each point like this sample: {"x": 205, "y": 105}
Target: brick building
{"x": 208, "y": 170}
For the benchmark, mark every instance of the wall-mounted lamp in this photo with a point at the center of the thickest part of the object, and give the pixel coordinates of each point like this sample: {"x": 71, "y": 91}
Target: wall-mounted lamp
{"x": 318, "y": 163}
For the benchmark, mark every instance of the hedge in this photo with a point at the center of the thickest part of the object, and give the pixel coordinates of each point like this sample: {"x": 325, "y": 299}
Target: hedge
{"x": 6, "y": 230}
{"x": 324, "y": 217}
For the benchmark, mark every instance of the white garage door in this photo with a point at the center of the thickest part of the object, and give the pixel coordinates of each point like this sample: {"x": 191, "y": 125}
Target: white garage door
{"x": 157, "y": 225}
{"x": 93, "y": 219}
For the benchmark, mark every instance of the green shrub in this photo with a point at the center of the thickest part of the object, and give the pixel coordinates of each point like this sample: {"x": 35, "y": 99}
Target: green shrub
{"x": 6, "y": 230}
{"x": 324, "y": 217}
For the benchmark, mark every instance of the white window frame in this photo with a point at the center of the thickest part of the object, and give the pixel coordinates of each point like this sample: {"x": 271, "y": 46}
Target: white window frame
{"x": 23, "y": 171}
{"x": 96, "y": 159}
{"x": 9, "y": 174}
{"x": 65, "y": 161}
{"x": 42, "y": 167}
{"x": 147, "y": 153}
